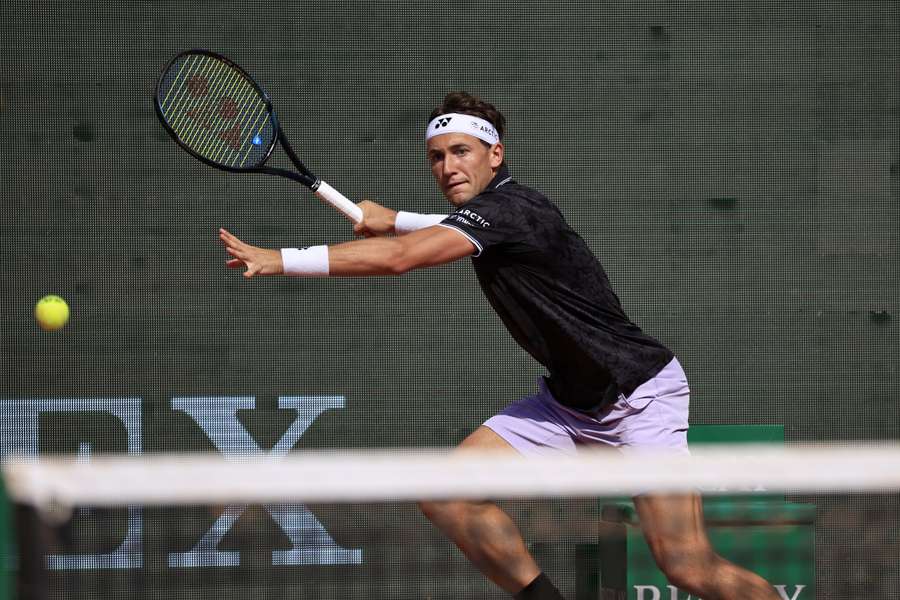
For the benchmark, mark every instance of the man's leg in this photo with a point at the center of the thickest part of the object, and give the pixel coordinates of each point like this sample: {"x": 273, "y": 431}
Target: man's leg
{"x": 674, "y": 529}
{"x": 484, "y": 533}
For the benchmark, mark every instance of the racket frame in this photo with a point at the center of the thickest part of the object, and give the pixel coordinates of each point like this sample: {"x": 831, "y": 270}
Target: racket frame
{"x": 303, "y": 174}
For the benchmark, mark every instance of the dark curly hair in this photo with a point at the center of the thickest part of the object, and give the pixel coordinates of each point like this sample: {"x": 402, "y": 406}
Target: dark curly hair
{"x": 468, "y": 104}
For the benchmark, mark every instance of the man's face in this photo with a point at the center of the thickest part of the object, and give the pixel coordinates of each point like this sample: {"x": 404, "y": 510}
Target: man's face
{"x": 462, "y": 165}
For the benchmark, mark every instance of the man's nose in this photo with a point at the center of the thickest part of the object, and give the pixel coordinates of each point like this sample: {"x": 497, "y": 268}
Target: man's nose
{"x": 450, "y": 165}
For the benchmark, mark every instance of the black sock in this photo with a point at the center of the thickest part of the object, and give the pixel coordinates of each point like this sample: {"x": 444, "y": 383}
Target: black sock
{"x": 539, "y": 589}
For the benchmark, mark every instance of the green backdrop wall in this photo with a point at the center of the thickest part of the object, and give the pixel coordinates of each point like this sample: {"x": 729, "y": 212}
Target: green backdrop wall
{"x": 734, "y": 166}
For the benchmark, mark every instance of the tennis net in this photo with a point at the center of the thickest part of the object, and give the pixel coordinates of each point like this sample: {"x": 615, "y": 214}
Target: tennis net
{"x": 817, "y": 521}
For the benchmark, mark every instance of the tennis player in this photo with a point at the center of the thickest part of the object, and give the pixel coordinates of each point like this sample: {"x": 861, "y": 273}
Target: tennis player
{"x": 609, "y": 383}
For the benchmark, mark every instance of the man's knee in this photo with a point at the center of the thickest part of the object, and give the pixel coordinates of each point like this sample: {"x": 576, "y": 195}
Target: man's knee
{"x": 688, "y": 570}
{"x": 686, "y": 577}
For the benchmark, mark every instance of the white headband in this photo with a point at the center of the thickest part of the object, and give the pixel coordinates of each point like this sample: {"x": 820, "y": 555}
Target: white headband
{"x": 457, "y": 123}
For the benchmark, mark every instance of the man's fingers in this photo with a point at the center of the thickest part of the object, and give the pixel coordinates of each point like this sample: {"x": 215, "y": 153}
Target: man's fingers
{"x": 238, "y": 252}
{"x": 229, "y": 239}
{"x": 233, "y": 247}
{"x": 361, "y": 230}
{"x": 245, "y": 255}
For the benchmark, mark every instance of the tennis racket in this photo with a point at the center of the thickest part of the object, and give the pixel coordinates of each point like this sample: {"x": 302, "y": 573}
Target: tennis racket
{"x": 221, "y": 116}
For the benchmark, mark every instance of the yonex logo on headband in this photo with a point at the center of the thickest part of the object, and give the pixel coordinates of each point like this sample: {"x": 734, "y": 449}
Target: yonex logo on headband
{"x": 469, "y": 124}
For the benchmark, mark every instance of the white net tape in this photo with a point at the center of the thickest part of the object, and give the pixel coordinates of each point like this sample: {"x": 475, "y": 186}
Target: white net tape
{"x": 400, "y": 475}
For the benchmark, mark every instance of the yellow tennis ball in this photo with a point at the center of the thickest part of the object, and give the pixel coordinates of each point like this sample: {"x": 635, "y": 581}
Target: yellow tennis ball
{"x": 51, "y": 312}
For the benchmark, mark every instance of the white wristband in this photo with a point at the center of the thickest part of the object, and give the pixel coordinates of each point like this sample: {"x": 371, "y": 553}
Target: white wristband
{"x": 407, "y": 221}
{"x": 305, "y": 262}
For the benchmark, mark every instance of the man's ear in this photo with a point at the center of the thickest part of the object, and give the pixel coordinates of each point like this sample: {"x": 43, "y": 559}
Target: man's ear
{"x": 496, "y": 155}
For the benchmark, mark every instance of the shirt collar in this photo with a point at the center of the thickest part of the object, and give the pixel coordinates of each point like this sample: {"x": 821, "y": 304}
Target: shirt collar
{"x": 499, "y": 179}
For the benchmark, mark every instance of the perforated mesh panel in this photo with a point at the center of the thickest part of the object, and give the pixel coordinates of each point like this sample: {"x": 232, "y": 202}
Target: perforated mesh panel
{"x": 734, "y": 166}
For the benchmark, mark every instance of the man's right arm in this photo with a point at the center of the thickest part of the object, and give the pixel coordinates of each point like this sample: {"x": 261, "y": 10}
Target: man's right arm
{"x": 379, "y": 221}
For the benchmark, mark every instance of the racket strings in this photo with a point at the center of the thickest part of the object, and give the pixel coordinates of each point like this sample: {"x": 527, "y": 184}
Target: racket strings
{"x": 193, "y": 90}
{"x": 202, "y": 129}
{"x": 215, "y": 111}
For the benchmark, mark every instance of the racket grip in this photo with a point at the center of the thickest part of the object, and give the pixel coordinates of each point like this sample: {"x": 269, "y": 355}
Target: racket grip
{"x": 340, "y": 202}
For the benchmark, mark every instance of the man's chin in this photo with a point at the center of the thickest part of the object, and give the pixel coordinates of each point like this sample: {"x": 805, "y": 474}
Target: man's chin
{"x": 458, "y": 198}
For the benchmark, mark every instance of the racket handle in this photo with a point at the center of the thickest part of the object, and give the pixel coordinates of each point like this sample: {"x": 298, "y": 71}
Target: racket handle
{"x": 339, "y": 202}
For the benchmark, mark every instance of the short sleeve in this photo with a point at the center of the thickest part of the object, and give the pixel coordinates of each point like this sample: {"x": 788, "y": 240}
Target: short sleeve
{"x": 487, "y": 220}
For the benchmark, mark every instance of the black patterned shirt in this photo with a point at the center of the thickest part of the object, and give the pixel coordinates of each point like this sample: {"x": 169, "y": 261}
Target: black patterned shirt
{"x": 553, "y": 295}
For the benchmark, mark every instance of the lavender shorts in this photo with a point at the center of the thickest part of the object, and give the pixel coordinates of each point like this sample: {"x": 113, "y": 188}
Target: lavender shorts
{"x": 653, "y": 417}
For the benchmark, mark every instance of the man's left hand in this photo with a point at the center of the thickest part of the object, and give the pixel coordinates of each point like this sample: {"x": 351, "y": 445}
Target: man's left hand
{"x": 259, "y": 261}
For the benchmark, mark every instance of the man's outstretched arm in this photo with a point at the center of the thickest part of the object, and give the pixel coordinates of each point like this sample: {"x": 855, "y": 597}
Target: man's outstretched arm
{"x": 374, "y": 256}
